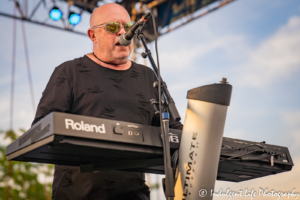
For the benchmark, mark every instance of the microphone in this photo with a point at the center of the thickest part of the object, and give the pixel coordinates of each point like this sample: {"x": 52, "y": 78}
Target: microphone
{"x": 125, "y": 39}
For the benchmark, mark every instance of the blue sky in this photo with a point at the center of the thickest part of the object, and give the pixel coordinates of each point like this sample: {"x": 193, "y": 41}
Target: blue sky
{"x": 254, "y": 44}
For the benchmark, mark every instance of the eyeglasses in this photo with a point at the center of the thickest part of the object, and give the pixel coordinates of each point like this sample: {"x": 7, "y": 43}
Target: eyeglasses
{"x": 114, "y": 27}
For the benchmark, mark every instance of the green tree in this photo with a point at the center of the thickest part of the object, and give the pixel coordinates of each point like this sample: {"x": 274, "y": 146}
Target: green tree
{"x": 19, "y": 180}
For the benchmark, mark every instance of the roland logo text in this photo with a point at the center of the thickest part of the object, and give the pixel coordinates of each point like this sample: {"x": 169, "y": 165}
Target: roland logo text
{"x": 84, "y": 127}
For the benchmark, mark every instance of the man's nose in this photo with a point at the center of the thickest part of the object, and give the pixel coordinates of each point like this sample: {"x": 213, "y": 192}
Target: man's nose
{"x": 121, "y": 31}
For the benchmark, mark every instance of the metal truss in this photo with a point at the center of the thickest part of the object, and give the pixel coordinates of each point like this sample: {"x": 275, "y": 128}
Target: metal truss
{"x": 130, "y": 5}
{"x": 24, "y": 15}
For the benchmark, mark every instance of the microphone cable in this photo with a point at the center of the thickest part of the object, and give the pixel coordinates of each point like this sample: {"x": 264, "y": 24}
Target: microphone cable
{"x": 159, "y": 91}
{"x": 158, "y": 69}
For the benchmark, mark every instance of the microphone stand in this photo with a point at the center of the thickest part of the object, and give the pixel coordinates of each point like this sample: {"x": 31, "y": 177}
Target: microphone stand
{"x": 169, "y": 101}
{"x": 168, "y": 105}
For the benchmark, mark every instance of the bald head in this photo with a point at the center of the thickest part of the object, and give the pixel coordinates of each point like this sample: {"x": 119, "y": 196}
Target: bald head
{"x": 105, "y": 43}
{"x": 106, "y": 12}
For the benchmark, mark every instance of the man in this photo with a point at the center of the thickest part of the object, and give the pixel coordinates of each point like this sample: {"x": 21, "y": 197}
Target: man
{"x": 104, "y": 84}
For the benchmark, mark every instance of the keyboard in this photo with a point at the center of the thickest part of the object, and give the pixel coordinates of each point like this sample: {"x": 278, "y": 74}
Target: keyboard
{"x": 96, "y": 144}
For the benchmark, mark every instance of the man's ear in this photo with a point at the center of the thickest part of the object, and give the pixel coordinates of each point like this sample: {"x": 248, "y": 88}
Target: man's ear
{"x": 91, "y": 34}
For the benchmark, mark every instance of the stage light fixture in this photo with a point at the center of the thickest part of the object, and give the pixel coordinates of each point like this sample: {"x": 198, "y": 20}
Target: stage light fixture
{"x": 55, "y": 13}
{"x": 74, "y": 18}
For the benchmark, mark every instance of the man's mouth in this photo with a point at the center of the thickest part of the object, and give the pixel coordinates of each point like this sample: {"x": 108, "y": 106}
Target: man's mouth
{"x": 118, "y": 44}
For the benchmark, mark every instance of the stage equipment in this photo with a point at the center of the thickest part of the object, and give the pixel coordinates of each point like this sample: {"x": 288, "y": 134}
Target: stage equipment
{"x": 162, "y": 107}
{"x": 74, "y": 18}
{"x": 97, "y": 144}
{"x": 55, "y": 13}
{"x": 181, "y": 11}
{"x": 202, "y": 140}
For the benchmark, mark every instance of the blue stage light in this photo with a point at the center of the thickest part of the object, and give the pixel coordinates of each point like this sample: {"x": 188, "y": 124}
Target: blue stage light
{"x": 55, "y": 13}
{"x": 74, "y": 18}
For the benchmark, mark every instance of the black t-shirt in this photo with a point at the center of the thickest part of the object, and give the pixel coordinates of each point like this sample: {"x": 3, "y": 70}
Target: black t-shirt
{"x": 83, "y": 87}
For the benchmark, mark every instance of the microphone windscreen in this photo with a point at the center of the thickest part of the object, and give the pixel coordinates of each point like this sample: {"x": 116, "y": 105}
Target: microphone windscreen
{"x": 123, "y": 41}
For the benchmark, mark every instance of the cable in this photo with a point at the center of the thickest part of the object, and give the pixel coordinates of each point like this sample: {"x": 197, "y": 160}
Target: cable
{"x": 260, "y": 158}
{"x": 240, "y": 155}
{"x": 253, "y": 151}
{"x": 12, "y": 73}
{"x": 159, "y": 78}
{"x": 28, "y": 68}
{"x": 159, "y": 81}
{"x": 9, "y": 168}
{"x": 245, "y": 147}
{"x": 159, "y": 93}
{"x": 253, "y": 145}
